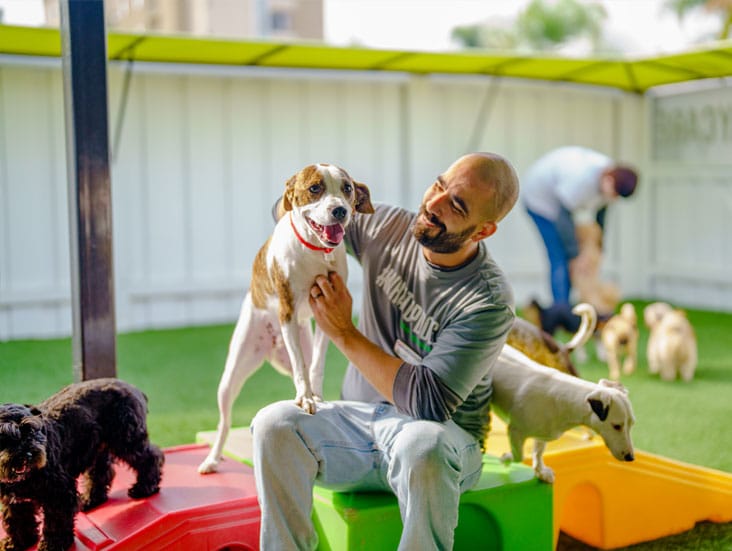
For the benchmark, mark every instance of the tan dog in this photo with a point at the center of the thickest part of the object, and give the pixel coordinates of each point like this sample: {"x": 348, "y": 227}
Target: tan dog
{"x": 275, "y": 319}
{"x": 619, "y": 338}
{"x": 541, "y": 347}
{"x": 603, "y": 295}
{"x": 672, "y": 349}
{"x": 542, "y": 403}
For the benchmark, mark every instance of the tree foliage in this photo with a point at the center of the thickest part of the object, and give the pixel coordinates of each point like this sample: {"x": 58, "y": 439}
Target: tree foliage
{"x": 542, "y": 25}
{"x": 722, "y": 7}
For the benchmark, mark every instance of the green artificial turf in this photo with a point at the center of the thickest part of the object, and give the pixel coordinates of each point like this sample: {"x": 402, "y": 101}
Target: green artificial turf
{"x": 179, "y": 370}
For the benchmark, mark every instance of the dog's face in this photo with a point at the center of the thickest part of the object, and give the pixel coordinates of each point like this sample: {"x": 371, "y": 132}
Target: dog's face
{"x": 612, "y": 417}
{"x": 621, "y": 328}
{"x": 325, "y": 197}
{"x": 653, "y": 313}
{"x": 22, "y": 442}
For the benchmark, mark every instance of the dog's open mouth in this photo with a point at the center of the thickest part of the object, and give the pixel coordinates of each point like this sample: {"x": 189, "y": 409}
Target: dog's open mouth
{"x": 332, "y": 234}
{"x": 14, "y": 474}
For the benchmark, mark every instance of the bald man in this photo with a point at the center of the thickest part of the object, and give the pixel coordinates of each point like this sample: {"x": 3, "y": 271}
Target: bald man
{"x": 416, "y": 396}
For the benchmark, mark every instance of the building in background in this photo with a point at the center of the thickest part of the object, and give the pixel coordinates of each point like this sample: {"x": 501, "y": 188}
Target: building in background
{"x": 282, "y": 19}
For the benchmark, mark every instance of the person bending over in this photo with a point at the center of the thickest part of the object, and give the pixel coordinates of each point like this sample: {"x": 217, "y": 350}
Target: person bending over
{"x": 568, "y": 186}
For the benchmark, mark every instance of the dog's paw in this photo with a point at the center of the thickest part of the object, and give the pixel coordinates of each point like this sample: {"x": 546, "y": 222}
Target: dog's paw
{"x": 208, "y": 466}
{"x": 507, "y": 458}
{"x": 141, "y": 490}
{"x": 24, "y": 541}
{"x": 545, "y": 474}
{"x": 307, "y": 404}
{"x": 62, "y": 544}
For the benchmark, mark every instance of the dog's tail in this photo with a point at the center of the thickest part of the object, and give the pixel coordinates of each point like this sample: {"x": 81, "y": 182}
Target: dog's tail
{"x": 587, "y": 325}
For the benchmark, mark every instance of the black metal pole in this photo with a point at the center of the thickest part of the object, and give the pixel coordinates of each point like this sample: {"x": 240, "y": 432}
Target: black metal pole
{"x": 84, "y": 52}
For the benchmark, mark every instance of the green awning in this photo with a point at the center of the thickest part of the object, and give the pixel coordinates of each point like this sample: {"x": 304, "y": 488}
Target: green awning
{"x": 633, "y": 75}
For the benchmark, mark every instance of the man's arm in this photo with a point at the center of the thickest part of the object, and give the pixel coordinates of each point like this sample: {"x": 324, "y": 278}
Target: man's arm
{"x": 333, "y": 313}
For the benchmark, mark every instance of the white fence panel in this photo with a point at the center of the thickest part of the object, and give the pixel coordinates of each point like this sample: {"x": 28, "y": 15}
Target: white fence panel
{"x": 690, "y": 206}
{"x": 205, "y": 152}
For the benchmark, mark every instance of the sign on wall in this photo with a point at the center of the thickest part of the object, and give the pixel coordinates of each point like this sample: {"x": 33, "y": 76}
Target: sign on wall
{"x": 693, "y": 127}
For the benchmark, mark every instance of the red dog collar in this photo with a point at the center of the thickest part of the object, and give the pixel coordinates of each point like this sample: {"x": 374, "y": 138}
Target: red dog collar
{"x": 310, "y": 246}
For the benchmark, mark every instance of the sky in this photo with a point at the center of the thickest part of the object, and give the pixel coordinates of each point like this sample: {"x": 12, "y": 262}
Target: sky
{"x": 640, "y": 27}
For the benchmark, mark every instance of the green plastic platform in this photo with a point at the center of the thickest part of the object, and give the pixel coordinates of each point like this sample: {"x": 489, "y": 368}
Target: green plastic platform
{"x": 509, "y": 509}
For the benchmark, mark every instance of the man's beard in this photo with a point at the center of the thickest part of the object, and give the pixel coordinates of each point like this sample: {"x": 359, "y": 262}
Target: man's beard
{"x": 436, "y": 238}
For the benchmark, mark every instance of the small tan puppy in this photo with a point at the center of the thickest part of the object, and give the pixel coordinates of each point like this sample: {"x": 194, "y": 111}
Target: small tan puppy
{"x": 585, "y": 271}
{"x": 541, "y": 347}
{"x": 672, "y": 349}
{"x": 619, "y": 338}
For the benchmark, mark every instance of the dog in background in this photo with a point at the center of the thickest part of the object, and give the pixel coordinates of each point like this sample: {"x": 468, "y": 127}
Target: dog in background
{"x": 541, "y": 347}
{"x": 672, "y": 348}
{"x": 542, "y": 403}
{"x": 275, "y": 319}
{"x": 44, "y": 449}
{"x": 619, "y": 338}
{"x": 603, "y": 295}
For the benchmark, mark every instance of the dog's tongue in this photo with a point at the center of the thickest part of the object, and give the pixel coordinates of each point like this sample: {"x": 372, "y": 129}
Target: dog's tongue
{"x": 333, "y": 233}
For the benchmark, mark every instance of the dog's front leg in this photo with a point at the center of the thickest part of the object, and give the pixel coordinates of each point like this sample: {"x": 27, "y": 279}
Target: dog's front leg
{"x": 291, "y": 334}
{"x": 317, "y": 365}
{"x": 516, "y": 439}
{"x": 613, "y": 364}
{"x": 20, "y": 524}
{"x": 58, "y": 519}
{"x": 543, "y": 473}
{"x": 630, "y": 360}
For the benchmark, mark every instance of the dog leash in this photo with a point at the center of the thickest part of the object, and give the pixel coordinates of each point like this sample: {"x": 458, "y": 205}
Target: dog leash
{"x": 326, "y": 250}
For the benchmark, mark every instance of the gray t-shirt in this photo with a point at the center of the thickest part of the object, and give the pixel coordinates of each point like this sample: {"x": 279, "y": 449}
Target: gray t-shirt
{"x": 447, "y": 325}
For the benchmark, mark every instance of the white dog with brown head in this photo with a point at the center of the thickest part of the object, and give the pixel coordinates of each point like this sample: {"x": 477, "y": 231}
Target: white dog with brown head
{"x": 542, "y": 403}
{"x": 275, "y": 319}
{"x": 672, "y": 349}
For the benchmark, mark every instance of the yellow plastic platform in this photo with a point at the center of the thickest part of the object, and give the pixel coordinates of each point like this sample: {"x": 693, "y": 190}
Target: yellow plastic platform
{"x": 597, "y": 499}
{"x": 608, "y": 503}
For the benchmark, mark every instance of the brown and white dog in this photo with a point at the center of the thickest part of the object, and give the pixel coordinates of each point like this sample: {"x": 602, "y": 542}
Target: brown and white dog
{"x": 619, "y": 338}
{"x": 542, "y": 403}
{"x": 541, "y": 347}
{"x": 672, "y": 349}
{"x": 275, "y": 319}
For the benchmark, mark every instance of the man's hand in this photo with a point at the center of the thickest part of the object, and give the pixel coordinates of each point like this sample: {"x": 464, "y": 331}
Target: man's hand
{"x": 332, "y": 307}
{"x": 331, "y": 304}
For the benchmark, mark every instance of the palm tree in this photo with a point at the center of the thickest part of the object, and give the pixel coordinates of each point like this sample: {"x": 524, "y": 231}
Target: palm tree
{"x": 723, "y": 7}
{"x": 540, "y": 26}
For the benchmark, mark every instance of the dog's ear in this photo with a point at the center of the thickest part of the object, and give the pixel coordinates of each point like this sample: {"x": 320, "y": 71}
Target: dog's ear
{"x": 289, "y": 189}
{"x": 599, "y": 408}
{"x": 363, "y": 198}
{"x": 599, "y": 402}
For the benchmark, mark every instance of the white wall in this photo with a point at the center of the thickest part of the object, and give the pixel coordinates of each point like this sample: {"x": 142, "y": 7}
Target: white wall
{"x": 688, "y": 207}
{"x": 205, "y": 152}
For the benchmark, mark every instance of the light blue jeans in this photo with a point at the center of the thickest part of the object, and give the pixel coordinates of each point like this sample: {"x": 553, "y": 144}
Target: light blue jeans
{"x": 349, "y": 446}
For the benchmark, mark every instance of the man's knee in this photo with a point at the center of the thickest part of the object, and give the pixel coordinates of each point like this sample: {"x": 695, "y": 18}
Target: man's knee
{"x": 425, "y": 448}
{"x": 273, "y": 420}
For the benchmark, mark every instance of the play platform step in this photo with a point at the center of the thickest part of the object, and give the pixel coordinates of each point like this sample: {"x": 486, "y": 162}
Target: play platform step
{"x": 191, "y": 513}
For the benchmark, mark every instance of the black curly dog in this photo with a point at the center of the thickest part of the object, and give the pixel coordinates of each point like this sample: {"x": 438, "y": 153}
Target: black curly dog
{"x": 44, "y": 449}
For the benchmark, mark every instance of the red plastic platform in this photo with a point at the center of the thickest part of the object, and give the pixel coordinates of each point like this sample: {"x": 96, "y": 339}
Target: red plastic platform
{"x": 191, "y": 512}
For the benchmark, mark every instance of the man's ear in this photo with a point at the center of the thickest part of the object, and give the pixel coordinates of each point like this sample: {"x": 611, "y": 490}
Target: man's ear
{"x": 486, "y": 230}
